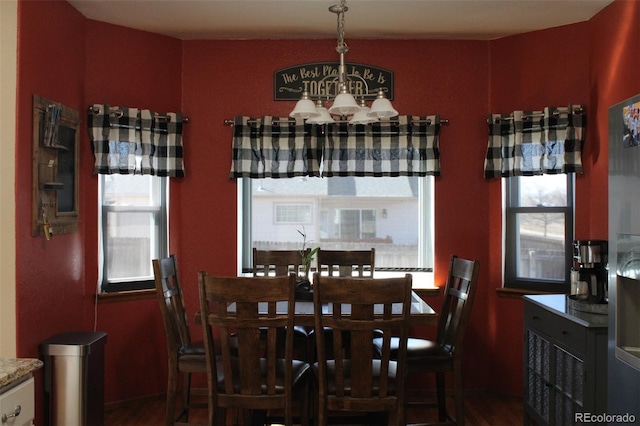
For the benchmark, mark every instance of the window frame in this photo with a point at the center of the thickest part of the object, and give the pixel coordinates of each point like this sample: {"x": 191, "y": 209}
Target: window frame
{"x": 159, "y": 211}
{"x": 511, "y": 237}
{"x": 426, "y": 251}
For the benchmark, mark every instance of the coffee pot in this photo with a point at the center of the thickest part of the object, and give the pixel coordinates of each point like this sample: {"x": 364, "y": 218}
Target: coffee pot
{"x": 589, "y": 274}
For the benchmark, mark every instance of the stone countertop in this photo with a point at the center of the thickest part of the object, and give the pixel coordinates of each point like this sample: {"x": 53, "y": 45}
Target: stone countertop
{"x": 558, "y": 303}
{"x": 12, "y": 369}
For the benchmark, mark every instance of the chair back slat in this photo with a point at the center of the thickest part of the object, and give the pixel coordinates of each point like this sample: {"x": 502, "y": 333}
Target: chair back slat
{"x": 353, "y": 380}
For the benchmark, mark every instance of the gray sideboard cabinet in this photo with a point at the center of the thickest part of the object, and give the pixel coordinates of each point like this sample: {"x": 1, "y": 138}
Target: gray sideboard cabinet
{"x": 565, "y": 362}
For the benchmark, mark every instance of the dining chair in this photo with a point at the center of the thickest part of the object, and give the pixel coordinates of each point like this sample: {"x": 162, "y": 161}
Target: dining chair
{"x": 279, "y": 263}
{"x": 444, "y": 354}
{"x": 342, "y": 263}
{"x": 184, "y": 355}
{"x": 252, "y": 379}
{"x": 361, "y": 382}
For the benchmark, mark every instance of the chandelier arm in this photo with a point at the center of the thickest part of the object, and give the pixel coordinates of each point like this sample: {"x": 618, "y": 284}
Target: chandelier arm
{"x": 231, "y": 122}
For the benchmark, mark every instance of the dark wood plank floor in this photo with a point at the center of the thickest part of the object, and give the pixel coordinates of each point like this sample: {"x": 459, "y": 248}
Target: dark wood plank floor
{"x": 480, "y": 410}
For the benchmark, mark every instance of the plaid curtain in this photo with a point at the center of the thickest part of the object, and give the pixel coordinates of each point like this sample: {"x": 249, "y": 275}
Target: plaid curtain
{"x": 528, "y": 143}
{"x": 383, "y": 149}
{"x": 135, "y": 141}
{"x": 274, "y": 147}
{"x": 405, "y": 148}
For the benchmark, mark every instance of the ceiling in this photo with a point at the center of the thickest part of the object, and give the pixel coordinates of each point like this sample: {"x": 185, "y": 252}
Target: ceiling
{"x": 365, "y": 19}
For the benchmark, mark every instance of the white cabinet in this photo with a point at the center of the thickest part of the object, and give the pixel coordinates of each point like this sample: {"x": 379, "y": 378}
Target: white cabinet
{"x": 17, "y": 406}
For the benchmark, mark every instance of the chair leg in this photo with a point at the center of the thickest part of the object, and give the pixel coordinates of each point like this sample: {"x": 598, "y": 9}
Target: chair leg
{"x": 217, "y": 417}
{"x": 304, "y": 406}
{"x": 442, "y": 397}
{"x": 186, "y": 395}
{"x": 458, "y": 398}
{"x": 172, "y": 383}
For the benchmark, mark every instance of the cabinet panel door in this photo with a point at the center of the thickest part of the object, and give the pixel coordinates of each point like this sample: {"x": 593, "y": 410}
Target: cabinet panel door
{"x": 569, "y": 386}
{"x": 538, "y": 386}
{"x": 17, "y": 404}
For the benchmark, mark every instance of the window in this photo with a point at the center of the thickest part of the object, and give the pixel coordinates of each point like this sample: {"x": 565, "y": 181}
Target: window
{"x": 293, "y": 213}
{"x": 355, "y": 224}
{"x": 133, "y": 229}
{"x": 539, "y": 232}
{"x": 392, "y": 214}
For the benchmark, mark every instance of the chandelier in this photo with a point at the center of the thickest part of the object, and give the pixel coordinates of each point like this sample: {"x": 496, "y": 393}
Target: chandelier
{"x": 344, "y": 104}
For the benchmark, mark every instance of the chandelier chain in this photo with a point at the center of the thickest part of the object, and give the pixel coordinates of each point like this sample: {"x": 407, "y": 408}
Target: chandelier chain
{"x": 340, "y": 10}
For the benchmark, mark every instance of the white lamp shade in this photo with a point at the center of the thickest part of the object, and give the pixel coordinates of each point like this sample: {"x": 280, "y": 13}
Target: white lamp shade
{"x": 382, "y": 108}
{"x": 363, "y": 117}
{"x": 305, "y": 108}
{"x": 322, "y": 118}
{"x": 344, "y": 104}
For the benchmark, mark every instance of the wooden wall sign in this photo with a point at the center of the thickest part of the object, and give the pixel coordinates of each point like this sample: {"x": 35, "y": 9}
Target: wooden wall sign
{"x": 55, "y": 168}
{"x": 320, "y": 79}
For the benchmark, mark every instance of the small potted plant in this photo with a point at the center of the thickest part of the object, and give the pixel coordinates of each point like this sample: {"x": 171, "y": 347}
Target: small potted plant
{"x": 303, "y": 283}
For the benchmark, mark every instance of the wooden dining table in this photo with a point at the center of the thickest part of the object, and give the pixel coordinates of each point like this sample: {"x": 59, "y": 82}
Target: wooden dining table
{"x": 421, "y": 313}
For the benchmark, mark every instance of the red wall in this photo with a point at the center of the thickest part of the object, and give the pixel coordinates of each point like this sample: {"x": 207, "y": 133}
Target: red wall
{"x": 529, "y": 72}
{"x": 614, "y": 44}
{"x": 223, "y": 79}
{"x": 129, "y": 68}
{"x": 50, "y": 275}
{"x": 69, "y": 59}
{"x": 76, "y": 61}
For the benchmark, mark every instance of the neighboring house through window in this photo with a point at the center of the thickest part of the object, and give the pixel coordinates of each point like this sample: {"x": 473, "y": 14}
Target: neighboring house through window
{"x": 392, "y": 214}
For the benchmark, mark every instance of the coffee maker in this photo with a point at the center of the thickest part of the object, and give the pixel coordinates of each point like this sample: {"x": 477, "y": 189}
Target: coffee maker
{"x": 589, "y": 273}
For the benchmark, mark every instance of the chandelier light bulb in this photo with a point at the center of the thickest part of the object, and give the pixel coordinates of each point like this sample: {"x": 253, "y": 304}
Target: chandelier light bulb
{"x": 323, "y": 117}
{"x": 382, "y": 107}
{"x": 344, "y": 104}
{"x": 305, "y": 108}
{"x": 362, "y": 116}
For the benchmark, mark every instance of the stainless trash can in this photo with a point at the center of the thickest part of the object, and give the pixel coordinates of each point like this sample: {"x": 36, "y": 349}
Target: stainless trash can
{"x": 74, "y": 378}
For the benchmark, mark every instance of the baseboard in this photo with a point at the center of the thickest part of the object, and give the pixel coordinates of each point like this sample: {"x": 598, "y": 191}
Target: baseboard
{"x": 417, "y": 393}
{"x": 413, "y": 394}
{"x": 114, "y": 405}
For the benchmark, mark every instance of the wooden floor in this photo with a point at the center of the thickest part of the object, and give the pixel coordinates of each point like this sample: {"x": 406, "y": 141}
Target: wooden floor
{"x": 480, "y": 410}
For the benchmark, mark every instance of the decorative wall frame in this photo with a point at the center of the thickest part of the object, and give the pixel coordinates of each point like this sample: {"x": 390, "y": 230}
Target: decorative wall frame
{"x": 55, "y": 206}
{"x": 320, "y": 80}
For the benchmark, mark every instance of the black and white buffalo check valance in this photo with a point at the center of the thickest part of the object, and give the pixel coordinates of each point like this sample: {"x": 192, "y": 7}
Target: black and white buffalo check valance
{"x": 529, "y": 143}
{"x": 278, "y": 147}
{"x": 136, "y": 141}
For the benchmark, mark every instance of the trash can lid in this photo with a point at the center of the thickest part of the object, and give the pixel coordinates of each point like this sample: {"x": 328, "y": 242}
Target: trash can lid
{"x": 76, "y": 343}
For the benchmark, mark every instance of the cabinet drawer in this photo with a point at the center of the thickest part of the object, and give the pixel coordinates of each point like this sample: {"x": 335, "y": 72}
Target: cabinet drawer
{"x": 20, "y": 396}
{"x": 556, "y": 327}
